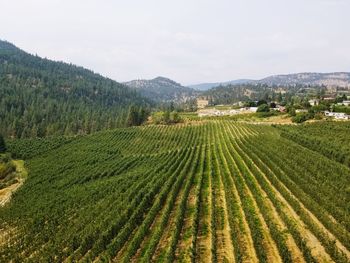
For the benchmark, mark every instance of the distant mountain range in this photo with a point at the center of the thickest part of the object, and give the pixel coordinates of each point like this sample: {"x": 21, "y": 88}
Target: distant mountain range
{"x": 206, "y": 86}
{"x": 340, "y": 79}
{"x": 163, "y": 89}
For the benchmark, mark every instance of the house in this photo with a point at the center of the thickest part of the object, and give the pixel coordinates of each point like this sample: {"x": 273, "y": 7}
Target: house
{"x": 281, "y": 108}
{"x": 300, "y": 111}
{"x": 233, "y": 112}
{"x": 346, "y": 102}
{"x": 202, "y": 103}
{"x": 249, "y": 109}
{"x": 314, "y": 102}
{"x": 337, "y": 115}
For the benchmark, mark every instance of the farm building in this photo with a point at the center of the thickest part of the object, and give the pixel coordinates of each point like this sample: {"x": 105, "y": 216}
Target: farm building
{"x": 202, "y": 103}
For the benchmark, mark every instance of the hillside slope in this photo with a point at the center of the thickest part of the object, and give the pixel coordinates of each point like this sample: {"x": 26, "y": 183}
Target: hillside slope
{"x": 40, "y": 97}
{"x": 207, "y": 86}
{"x": 211, "y": 191}
{"x": 163, "y": 89}
{"x": 333, "y": 79}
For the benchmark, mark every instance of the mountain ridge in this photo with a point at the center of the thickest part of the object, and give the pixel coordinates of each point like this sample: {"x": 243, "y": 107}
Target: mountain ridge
{"x": 341, "y": 79}
{"x": 162, "y": 89}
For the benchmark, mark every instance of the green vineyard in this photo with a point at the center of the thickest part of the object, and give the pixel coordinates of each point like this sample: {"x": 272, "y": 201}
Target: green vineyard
{"x": 203, "y": 191}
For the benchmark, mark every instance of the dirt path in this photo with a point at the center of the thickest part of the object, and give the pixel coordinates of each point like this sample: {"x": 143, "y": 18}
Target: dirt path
{"x": 21, "y": 175}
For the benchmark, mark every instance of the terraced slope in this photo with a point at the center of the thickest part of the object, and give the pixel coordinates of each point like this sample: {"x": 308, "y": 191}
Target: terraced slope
{"x": 215, "y": 191}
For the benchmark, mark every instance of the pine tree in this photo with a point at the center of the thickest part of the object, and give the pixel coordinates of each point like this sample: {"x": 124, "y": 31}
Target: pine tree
{"x": 133, "y": 117}
{"x": 2, "y": 144}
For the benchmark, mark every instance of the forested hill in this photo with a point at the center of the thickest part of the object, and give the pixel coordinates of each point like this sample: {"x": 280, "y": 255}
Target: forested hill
{"x": 40, "y": 97}
{"x": 163, "y": 90}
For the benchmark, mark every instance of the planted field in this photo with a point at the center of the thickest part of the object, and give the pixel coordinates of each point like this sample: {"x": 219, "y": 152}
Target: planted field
{"x": 209, "y": 191}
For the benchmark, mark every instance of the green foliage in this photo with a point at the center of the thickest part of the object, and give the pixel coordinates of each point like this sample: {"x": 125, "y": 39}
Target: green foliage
{"x": 131, "y": 193}
{"x": 318, "y": 108}
{"x": 291, "y": 110}
{"x": 29, "y": 148}
{"x": 166, "y": 117}
{"x": 3, "y": 147}
{"x": 328, "y": 138}
{"x": 7, "y": 171}
{"x": 136, "y": 116}
{"x": 337, "y": 108}
{"x": 39, "y": 97}
{"x": 263, "y": 108}
{"x": 267, "y": 114}
{"x": 301, "y": 117}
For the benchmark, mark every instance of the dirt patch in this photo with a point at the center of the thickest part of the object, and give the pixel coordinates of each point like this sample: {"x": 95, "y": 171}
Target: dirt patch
{"x": 21, "y": 175}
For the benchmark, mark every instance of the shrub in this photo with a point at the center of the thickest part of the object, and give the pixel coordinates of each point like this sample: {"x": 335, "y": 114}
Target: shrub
{"x": 300, "y": 117}
{"x": 263, "y": 108}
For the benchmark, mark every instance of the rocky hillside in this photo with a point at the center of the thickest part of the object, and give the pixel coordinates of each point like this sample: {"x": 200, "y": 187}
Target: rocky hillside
{"x": 340, "y": 79}
{"x": 163, "y": 89}
{"x": 334, "y": 79}
{"x": 207, "y": 86}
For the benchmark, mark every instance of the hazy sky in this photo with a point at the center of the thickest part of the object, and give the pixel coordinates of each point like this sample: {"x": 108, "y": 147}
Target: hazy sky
{"x": 189, "y": 41}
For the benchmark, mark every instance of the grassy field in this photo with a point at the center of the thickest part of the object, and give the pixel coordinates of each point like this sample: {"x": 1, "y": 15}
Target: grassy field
{"x": 203, "y": 191}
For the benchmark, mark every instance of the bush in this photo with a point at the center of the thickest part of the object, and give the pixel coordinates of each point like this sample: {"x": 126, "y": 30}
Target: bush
{"x": 318, "y": 116}
{"x": 6, "y": 169}
{"x": 266, "y": 114}
{"x": 300, "y": 117}
{"x": 166, "y": 117}
{"x": 263, "y": 108}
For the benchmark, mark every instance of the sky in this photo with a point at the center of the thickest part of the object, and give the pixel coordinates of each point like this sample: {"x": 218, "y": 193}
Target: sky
{"x": 189, "y": 41}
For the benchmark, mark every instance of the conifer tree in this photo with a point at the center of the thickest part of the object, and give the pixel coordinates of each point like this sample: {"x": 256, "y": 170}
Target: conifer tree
{"x": 2, "y": 144}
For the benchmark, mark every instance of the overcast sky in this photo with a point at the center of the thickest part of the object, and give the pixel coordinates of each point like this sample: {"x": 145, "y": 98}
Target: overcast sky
{"x": 190, "y": 41}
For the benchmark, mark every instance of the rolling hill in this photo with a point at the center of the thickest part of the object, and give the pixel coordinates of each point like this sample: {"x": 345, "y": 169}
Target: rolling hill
{"x": 206, "y": 191}
{"x": 163, "y": 90}
{"x": 41, "y": 97}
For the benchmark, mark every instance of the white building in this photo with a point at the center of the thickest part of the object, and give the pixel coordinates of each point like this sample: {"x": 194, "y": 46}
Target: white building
{"x": 314, "y": 102}
{"x": 337, "y": 115}
{"x": 346, "y": 102}
{"x": 249, "y": 109}
{"x": 300, "y": 111}
{"x": 202, "y": 103}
